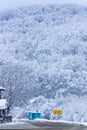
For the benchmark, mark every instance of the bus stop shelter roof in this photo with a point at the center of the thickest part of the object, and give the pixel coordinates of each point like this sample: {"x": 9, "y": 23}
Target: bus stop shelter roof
{"x": 1, "y": 88}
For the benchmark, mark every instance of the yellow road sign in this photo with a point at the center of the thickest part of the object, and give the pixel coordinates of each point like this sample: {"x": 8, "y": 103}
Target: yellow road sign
{"x": 57, "y": 112}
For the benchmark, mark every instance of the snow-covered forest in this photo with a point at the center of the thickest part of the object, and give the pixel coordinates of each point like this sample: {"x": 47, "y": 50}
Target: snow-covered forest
{"x": 43, "y": 60}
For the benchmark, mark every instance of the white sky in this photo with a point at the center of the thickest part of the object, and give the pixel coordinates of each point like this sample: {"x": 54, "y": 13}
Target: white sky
{"x": 6, "y": 4}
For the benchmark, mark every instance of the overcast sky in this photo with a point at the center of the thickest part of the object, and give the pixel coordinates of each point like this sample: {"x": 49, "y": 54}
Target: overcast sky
{"x": 6, "y": 4}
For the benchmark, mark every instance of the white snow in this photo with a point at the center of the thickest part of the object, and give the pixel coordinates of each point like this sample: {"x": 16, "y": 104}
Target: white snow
{"x": 24, "y": 121}
{"x": 1, "y": 88}
{"x": 3, "y": 103}
{"x": 43, "y": 51}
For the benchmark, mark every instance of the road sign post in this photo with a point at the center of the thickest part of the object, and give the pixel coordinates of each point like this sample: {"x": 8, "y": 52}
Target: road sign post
{"x": 58, "y": 113}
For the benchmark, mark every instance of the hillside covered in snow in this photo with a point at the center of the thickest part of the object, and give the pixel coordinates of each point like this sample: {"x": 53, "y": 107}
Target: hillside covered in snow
{"x": 43, "y": 57}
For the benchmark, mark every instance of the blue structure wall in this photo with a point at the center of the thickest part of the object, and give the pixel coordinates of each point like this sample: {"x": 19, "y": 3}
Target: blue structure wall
{"x": 34, "y": 115}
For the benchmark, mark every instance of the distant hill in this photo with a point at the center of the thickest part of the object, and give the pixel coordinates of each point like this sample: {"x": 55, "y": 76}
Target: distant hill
{"x": 43, "y": 51}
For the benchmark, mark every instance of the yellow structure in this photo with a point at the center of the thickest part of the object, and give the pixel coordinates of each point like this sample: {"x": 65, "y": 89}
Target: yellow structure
{"x": 57, "y": 112}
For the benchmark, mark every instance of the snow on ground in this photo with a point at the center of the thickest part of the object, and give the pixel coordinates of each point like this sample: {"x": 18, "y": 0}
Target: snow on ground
{"x": 24, "y": 121}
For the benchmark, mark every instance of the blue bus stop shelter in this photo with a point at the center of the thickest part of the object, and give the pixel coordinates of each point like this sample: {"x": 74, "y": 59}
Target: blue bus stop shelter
{"x": 34, "y": 115}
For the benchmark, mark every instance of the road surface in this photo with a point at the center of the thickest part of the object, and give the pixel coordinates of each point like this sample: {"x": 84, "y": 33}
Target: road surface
{"x": 37, "y": 125}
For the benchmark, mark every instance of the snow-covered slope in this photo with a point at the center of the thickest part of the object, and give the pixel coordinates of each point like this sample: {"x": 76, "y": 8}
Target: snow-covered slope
{"x": 43, "y": 51}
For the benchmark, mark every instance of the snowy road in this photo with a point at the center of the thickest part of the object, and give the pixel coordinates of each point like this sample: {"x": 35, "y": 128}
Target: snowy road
{"x": 58, "y": 126}
{"x": 37, "y": 125}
